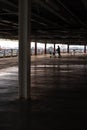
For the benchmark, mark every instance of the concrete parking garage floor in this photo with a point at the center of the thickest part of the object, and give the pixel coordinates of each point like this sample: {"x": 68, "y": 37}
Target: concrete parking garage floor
{"x": 58, "y": 95}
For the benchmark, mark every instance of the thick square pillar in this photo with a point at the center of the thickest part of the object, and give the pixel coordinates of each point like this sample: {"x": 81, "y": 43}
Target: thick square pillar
{"x": 24, "y": 48}
{"x": 45, "y": 50}
{"x": 84, "y": 48}
{"x": 35, "y": 48}
{"x": 68, "y": 48}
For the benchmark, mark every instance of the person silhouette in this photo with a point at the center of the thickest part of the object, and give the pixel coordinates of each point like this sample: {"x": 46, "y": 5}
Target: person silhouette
{"x": 58, "y": 51}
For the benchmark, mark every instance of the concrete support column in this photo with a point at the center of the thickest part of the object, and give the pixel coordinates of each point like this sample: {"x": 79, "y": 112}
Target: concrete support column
{"x": 54, "y": 47}
{"x": 24, "y": 48}
{"x": 45, "y": 50}
{"x": 35, "y": 48}
{"x": 84, "y": 48}
{"x": 68, "y": 48}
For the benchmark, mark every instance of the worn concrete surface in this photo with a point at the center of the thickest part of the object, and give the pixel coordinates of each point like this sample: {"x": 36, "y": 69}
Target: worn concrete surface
{"x": 58, "y": 96}
{"x": 8, "y": 62}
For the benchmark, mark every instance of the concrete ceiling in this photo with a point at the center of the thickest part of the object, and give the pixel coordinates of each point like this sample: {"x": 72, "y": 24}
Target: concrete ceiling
{"x": 62, "y": 21}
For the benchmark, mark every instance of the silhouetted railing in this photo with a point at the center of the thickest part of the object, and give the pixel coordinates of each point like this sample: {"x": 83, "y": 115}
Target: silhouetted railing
{"x": 8, "y": 53}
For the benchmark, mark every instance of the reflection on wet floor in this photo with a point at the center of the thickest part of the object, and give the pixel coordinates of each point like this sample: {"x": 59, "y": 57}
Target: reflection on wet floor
{"x": 62, "y": 66}
{"x": 58, "y": 98}
{"x": 9, "y": 84}
{"x": 42, "y": 77}
{"x": 62, "y": 76}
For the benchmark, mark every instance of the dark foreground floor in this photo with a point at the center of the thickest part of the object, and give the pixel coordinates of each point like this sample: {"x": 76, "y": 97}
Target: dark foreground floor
{"x": 58, "y": 96}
